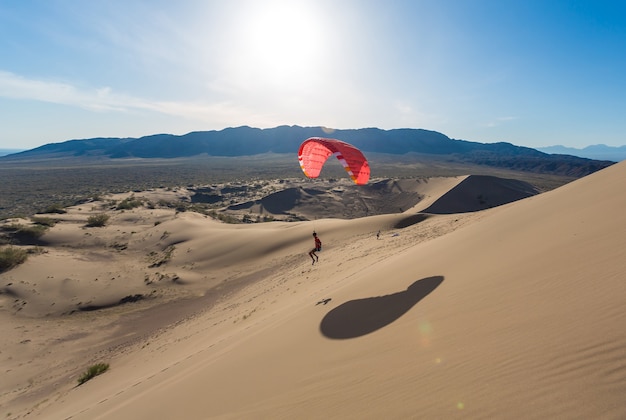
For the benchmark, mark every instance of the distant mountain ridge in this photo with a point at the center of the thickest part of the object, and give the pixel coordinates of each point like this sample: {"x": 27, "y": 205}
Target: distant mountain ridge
{"x": 596, "y": 151}
{"x": 247, "y": 141}
{"x": 4, "y": 152}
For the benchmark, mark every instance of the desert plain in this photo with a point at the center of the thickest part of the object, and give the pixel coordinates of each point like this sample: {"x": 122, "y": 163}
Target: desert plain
{"x": 438, "y": 310}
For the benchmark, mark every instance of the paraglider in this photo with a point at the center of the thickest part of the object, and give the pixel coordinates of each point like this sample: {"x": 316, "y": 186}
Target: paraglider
{"x": 315, "y": 151}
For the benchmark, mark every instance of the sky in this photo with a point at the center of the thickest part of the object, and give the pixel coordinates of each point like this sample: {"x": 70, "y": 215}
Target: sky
{"x": 529, "y": 72}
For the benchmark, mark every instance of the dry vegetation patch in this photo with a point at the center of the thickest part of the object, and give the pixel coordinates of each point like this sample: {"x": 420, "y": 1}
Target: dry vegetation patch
{"x": 92, "y": 372}
{"x": 11, "y": 256}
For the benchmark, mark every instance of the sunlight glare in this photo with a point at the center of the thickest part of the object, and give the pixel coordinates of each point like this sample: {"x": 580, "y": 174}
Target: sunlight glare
{"x": 282, "y": 41}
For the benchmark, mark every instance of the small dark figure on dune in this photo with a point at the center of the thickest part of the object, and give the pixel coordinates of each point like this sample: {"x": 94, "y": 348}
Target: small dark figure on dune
{"x": 318, "y": 247}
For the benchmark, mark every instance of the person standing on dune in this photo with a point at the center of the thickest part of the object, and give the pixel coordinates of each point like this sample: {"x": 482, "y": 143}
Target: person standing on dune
{"x": 318, "y": 247}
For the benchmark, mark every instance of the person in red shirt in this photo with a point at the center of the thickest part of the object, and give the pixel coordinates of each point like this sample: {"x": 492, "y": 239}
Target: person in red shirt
{"x": 318, "y": 247}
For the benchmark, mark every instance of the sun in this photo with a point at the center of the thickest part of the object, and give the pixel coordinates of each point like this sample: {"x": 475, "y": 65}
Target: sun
{"x": 282, "y": 41}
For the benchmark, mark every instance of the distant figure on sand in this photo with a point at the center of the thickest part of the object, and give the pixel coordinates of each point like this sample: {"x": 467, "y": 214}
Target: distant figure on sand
{"x": 318, "y": 247}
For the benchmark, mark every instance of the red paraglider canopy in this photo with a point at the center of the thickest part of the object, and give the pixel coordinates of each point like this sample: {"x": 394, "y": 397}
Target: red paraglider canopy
{"x": 315, "y": 151}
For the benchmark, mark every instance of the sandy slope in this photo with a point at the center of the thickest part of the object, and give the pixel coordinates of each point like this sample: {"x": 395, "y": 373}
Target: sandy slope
{"x": 513, "y": 312}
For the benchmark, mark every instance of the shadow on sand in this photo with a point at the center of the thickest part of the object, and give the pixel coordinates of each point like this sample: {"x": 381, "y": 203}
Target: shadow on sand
{"x": 363, "y": 316}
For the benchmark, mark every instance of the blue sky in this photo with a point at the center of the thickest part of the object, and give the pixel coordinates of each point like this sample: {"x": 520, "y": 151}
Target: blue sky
{"x": 529, "y": 72}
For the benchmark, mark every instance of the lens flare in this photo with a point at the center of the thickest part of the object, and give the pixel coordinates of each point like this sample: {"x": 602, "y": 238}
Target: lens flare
{"x": 425, "y": 328}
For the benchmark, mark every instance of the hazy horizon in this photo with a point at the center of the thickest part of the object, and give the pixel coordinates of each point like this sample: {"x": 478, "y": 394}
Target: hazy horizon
{"x": 555, "y": 148}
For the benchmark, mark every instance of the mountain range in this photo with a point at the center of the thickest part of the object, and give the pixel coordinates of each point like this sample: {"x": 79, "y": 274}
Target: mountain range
{"x": 247, "y": 141}
{"x": 596, "y": 151}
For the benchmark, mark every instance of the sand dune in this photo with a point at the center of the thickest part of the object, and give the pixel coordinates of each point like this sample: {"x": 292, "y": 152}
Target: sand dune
{"x": 442, "y": 195}
{"x": 511, "y": 312}
{"x": 480, "y": 192}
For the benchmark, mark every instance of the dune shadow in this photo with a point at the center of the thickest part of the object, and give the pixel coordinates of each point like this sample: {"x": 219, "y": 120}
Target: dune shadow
{"x": 363, "y": 316}
{"x": 411, "y": 220}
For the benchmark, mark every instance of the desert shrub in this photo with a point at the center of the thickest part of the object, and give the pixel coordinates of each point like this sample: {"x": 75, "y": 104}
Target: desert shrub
{"x": 36, "y": 250}
{"x": 97, "y": 220}
{"x": 34, "y": 231}
{"x": 129, "y": 203}
{"x": 92, "y": 372}
{"x": 165, "y": 203}
{"x": 295, "y": 218}
{"x": 11, "y": 257}
{"x": 55, "y": 208}
{"x": 16, "y": 230}
{"x": 198, "y": 208}
{"x": 43, "y": 221}
{"x": 226, "y": 218}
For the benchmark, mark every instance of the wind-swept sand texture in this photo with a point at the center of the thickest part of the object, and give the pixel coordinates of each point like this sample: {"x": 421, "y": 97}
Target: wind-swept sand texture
{"x": 512, "y": 312}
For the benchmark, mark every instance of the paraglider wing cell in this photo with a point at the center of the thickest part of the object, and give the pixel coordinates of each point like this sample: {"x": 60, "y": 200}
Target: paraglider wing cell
{"x": 315, "y": 151}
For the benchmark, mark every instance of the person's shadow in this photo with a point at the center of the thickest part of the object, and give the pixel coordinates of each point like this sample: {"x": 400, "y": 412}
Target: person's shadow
{"x": 359, "y": 317}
